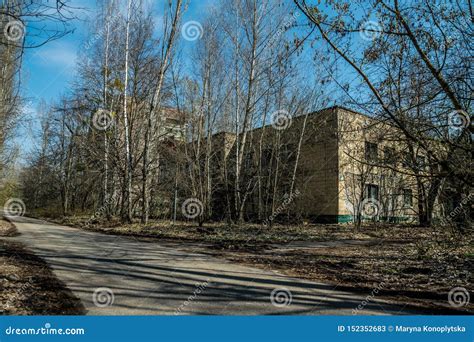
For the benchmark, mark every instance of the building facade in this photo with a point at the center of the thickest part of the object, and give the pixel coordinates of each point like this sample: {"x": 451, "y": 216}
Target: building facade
{"x": 345, "y": 166}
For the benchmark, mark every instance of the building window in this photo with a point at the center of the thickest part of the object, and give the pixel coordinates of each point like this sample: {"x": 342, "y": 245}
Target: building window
{"x": 407, "y": 197}
{"x": 389, "y": 155}
{"x": 266, "y": 158}
{"x": 371, "y": 192}
{"x": 371, "y": 151}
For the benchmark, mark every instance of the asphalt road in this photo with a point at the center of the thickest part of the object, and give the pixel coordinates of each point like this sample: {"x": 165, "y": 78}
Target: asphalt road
{"x": 122, "y": 276}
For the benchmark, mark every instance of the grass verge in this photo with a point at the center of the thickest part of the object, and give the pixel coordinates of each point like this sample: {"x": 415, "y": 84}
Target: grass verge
{"x": 7, "y": 229}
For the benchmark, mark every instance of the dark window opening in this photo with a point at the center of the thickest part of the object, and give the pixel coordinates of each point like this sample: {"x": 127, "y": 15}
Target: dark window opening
{"x": 407, "y": 197}
{"x": 371, "y": 192}
{"x": 389, "y": 155}
{"x": 371, "y": 151}
{"x": 266, "y": 158}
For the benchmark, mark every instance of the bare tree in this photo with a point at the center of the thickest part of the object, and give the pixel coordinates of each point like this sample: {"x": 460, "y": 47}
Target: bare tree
{"x": 395, "y": 46}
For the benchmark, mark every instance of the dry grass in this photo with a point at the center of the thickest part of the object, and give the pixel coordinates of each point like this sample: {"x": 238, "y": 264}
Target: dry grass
{"x": 219, "y": 235}
{"x": 420, "y": 263}
{"x": 7, "y": 229}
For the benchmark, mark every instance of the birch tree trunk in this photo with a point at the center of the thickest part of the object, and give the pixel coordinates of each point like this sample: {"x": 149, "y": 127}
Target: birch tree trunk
{"x": 167, "y": 50}
{"x": 127, "y": 210}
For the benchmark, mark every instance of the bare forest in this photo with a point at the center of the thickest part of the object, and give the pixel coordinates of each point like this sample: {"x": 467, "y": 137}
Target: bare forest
{"x": 328, "y": 140}
{"x": 198, "y": 111}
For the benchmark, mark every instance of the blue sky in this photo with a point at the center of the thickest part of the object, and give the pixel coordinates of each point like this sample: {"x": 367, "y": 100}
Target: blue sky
{"x": 48, "y": 71}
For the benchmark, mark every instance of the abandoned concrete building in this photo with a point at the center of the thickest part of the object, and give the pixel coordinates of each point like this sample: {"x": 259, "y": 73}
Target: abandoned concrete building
{"x": 342, "y": 164}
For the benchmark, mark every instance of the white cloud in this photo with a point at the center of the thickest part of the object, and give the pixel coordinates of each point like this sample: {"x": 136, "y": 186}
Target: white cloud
{"x": 58, "y": 54}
